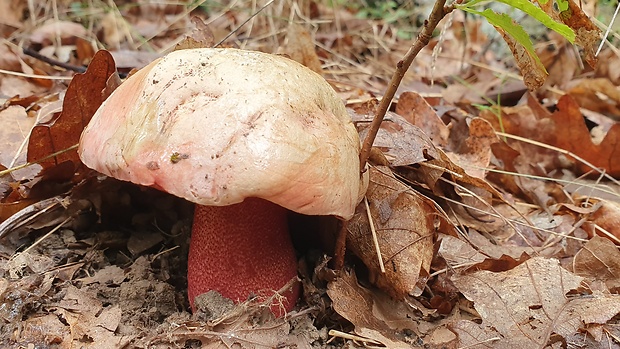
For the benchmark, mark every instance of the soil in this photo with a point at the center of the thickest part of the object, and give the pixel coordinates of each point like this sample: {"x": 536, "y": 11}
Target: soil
{"x": 113, "y": 276}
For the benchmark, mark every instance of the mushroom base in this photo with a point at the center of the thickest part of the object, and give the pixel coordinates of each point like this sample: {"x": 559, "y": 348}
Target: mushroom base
{"x": 241, "y": 251}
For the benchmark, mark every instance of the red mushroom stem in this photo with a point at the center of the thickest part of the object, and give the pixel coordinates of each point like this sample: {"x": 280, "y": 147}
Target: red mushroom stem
{"x": 242, "y": 250}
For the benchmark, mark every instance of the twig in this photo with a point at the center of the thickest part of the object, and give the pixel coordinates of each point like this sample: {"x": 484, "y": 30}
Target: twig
{"x": 613, "y": 19}
{"x": 353, "y": 337}
{"x": 35, "y": 76}
{"x": 19, "y": 167}
{"x": 48, "y": 234}
{"x": 54, "y": 62}
{"x": 375, "y": 241}
{"x": 439, "y": 12}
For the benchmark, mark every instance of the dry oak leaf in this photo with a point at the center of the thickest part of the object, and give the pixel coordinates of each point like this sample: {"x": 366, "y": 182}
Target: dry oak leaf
{"x": 88, "y": 319}
{"x": 599, "y": 259}
{"x": 200, "y": 37}
{"x": 65, "y": 31}
{"x": 522, "y": 306}
{"x": 605, "y": 221}
{"x": 572, "y": 134}
{"x": 405, "y": 144}
{"x": 401, "y": 142}
{"x": 84, "y": 95}
{"x": 405, "y": 224}
{"x": 587, "y": 34}
{"x": 301, "y": 48}
{"x": 415, "y": 109}
{"x": 599, "y": 95}
{"x": 360, "y": 307}
{"x": 565, "y": 129}
{"x": 475, "y": 153}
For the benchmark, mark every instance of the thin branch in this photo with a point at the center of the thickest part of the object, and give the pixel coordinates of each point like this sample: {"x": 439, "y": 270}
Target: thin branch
{"x": 439, "y": 12}
{"x": 53, "y": 62}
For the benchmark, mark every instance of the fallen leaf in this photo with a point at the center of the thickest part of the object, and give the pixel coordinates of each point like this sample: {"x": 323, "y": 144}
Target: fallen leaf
{"x": 565, "y": 129}
{"x": 418, "y": 112}
{"x": 90, "y": 322}
{"x": 356, "y": 304}
{"x": 200, "y": 37}
{"x": 11, "y": 16}
{"x": 401, "y": 142}
{"x": 14, "y": 128}
{"x": 599, "y": 259}
{"x": 581, "y": 313}
{"x": 598, "y": 95}
{"x": 474, "y": 154}
{"x": 47, "y": 329}
{"x": 405, "y": 224}
{"x": 605, "y": 220}
{"x": 521, "y": 305}
{"x": 300, "y": 48}
{"x": 587, "y": 34}
{"x": 83, "y": 97}
{"x": 65, "y": 32}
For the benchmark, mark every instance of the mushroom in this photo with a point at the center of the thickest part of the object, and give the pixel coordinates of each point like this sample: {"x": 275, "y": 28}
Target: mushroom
{"x": 244, "y": 135}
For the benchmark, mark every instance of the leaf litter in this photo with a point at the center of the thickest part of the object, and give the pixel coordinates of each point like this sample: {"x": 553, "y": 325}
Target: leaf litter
{"x": 484, "y": 225}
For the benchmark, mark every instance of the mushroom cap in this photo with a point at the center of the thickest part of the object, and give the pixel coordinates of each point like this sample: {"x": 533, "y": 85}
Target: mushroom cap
{"x": 216, "y": 126}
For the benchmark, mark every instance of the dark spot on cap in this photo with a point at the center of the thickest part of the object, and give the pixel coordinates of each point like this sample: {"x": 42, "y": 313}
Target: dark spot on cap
{"x": 152, "y": 165}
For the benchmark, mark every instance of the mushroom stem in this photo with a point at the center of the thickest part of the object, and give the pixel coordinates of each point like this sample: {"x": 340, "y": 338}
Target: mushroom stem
{"x": 242, "y": 250}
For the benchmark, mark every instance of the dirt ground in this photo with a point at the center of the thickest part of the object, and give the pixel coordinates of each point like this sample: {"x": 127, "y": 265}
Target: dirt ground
{"x": 120, "y": 281}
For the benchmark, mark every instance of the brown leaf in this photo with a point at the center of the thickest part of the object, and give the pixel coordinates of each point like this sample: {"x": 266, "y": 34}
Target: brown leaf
{"x": 474, "y": 155}
{"x": 565, "y": 128}
{"x": 359, "y": 306}
{"x": 405, "y": 229}
{"x": 84, "y": 50}
{"x": 599, "y": 95}
{"x": 581, "y": 313}
{"x": 200, "y": 37}
{"x": 607, "y": 218}
{"x": 503, "y": 263}
{"x": 84, "y": 95}
{"x": 607, "y": 67}
{"x": 521, "y": 304}
{"x": 300, "y": 48}
{"x": 587, "y": 34}
{"x": 14, "y": 126}
{"x": 572, "y": 134}
{"x": 534, "y": 73}
{"x": 599, "y": 259}
{"x": 401, "y": 142}
{"x": 64, "y": 31}
{"x": 11, "y": 16}
{"x": 46, "y": 330}
{"x": 87, "y": 318}
{"x": 415, "y": 109}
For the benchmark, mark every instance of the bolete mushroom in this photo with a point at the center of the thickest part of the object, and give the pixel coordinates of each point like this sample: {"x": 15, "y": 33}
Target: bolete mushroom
{"x": 244, "y": 135}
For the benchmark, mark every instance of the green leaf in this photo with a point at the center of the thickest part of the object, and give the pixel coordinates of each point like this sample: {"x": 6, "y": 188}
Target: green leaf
{"x": 542, "y": 17}
{"x": 562, "y": 5}
{"x": 504, "y": 21}
{"x": 532, "y": 10}
{"x": 530, "y": 67}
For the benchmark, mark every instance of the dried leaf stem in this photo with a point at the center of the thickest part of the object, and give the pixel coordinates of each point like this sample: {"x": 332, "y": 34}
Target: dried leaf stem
{"x": 375, "y": 241}
{"x": 424, "y": 37}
